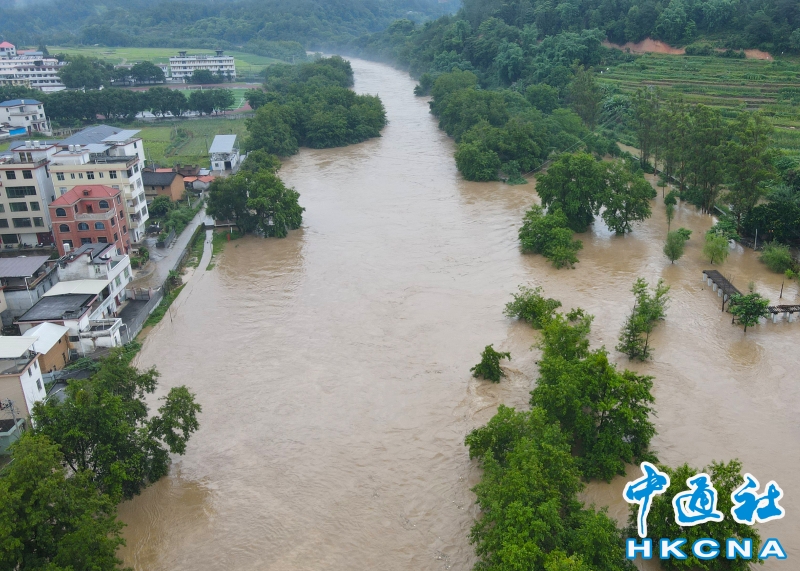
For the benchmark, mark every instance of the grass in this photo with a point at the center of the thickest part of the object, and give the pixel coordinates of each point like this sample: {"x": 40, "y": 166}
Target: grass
{"x": 163, "y": 307}
{"x": 247, "y": 65}
{"x": 4, "y": 146}
{"x": 218, "y": 245}
{"x": 730, "y": 85}
{"x": 186, "y": 142}
{"x": 196, "y": 250}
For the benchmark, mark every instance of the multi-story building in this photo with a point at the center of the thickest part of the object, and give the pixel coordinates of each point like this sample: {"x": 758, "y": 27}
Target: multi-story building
{"x": 7, "y": 50}
{"x": 90, "y": 214}
{"x": 163, "y": 182}
{"x": 99, "y": 261}
{"x": 20, "y": 375}
{"x": 24, "y": 280}
{"x": 25, "y": 113}
{"x": 26, "y": 189}
{"x": 183, "y": 66}
{"x": 224, "y": 154}
{"x": 32, "y": 69}
{"x": 106, "y": 156}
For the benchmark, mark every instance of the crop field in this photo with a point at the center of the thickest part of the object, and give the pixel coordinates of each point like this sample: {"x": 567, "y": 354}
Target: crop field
{"x": 187, "y": 141}
{"x": 238, "y": 93}
{"x": 247, "y": 65}
{"x": 727, "y": 84}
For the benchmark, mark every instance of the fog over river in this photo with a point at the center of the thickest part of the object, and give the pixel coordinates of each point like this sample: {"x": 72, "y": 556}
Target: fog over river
{"x": 333, "y": 365}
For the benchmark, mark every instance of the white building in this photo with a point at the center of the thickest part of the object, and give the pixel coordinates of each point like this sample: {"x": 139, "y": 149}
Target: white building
{"x": 109, "y": 156}
{"x": 25, "y": 114}
{"x": 98, "y": 262}
{"x": 183, "y": 66}
{"x": 224, "y": 154}
{"x": 31, "y": 69}
{"x": 20, "y": 374}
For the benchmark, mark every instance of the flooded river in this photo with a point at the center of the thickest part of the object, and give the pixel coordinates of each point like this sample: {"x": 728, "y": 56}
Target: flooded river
{"x": 333, "y": 366}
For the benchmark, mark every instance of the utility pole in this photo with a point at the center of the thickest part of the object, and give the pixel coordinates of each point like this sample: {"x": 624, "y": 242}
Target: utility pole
{"x": 9, "y": 404}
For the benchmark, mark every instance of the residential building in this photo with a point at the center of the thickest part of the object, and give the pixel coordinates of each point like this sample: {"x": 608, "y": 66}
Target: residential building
{"x": 224, "y": 154}
{"x": 20, "y": 374}
{"x": 26, "y": 189}
{"x": 90, "y": 214}
{"x": 98, "y": 262}
{"x": 182, "y": 66}
{"x": 198, "y": 183}
{"x": 24, "y": 280}
{"x": 163, "y": 182}
{"x": 33, "y": 68}
{"x": 7, "y": 50}
{"x": 25, "y": 113}
{"x": 52, "y": 345}
{"x": 85, "y": 307}
{"x": 109, "y": 156}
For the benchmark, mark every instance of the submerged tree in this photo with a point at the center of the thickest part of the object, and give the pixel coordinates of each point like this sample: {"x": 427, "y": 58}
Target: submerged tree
{"x": 489, "y": 367}
{"x": 716, "y": 248}
{"x": 675, "y": 245}
{"x": 627, "y": 198}
{"x": 575, "y": 184}
{"x": 648, "y": 310}
{"x": 749, "y": 309}
{"x": 549, "y": 235}
{"x": 531, "y": 306}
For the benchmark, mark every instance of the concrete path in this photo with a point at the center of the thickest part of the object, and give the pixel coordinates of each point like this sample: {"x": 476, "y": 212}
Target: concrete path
{"x": 162, "y": 260}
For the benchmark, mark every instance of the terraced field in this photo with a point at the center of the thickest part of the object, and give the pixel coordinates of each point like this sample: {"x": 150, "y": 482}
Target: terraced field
{"x": 727, "y": 84}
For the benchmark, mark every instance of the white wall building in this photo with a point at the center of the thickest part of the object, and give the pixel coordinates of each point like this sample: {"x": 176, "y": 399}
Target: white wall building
{"x": 34, "y": 70}
{"x": 20, "y": 374}
{"x": 26, "y": 114}
{"x": 183, "y": 66}
{"x": 224, "y": 154}
{"x": 7, "y": 50}
{"x": 99, "y": 262}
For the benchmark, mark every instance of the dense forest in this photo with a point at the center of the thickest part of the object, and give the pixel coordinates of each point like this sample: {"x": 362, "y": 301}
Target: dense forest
{"x": 206, "y": 23}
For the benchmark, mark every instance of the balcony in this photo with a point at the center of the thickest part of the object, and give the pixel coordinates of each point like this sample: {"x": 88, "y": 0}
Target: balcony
{"x": 99, "y": 216}
{"x": 101, "y": 328}
{"x": 16, "y": 366}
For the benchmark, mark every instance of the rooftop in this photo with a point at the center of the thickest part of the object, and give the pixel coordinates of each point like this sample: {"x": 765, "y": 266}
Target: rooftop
{"x": 96, "y": 191}
{"x": 15, "y": 347}
{"x": 46, "y": 335}
{"x": 58, "y": 308}
{"x": 94, "y": 250}
{"x": 150, "y": 178}
{"x": 21, "y": 266}
{"x": 121, "y": 136}
{"x": 79, "y": 287}
{"x": 223, "y": 144}
{"x": 15, "y": 102}
{"x": 6, "y": 45}
{"x": 94, "y": 134}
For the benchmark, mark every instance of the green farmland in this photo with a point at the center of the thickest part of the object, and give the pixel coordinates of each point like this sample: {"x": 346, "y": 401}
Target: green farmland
{"x": 185, "y": 142}
{"x": 247, "y": 65}
{"x": 727, "y": 84}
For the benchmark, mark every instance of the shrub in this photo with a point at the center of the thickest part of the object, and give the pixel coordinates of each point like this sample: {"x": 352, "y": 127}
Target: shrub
{"x": 549, "y": 234}
{"x": 777, "y": 257}
{"x": 531, "y": 306}
{"x": 489, "y": 367}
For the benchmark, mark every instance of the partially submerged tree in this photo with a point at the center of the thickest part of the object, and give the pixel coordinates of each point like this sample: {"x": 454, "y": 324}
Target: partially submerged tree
{"x": 648, "y": 310}
{"x": 716, "y": 248}
{"x": 489, "y": 367}
{"x": 549, "y": 235}
{"x": 675, "y": 245}
{"x": 627, "y": 198}
{"x": 748, "y": 309}
{"x": 531, "y": 306}
{"x": 576, "y": 184}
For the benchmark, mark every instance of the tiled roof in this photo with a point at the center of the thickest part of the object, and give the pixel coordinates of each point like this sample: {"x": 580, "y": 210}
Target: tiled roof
{"x": 150, "y": 178}
{"x": 95, "y": 191}
{"x": 15, "y": 102}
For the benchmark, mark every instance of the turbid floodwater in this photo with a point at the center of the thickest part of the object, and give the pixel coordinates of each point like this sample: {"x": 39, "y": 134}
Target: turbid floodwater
{"x": 333, "y": 365}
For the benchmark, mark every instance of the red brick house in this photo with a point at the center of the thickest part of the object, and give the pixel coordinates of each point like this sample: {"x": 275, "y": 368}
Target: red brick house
{"x": 89, "y": 214}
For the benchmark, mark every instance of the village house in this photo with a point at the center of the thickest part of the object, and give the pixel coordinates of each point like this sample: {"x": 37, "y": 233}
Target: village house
{"x": 163, "y": 182}
{"x": 224, "y": 154}
{"x": 90, "y": 214}
{"x": 30, "y": 68}
{"x": 24, "y": 280}
{"x": 7, "y": 50}
{"x": 52, "y": 345}
{"x": 20, "y": 375}
{"x": 25, "y": 114}
{"x": 98, "y": 261}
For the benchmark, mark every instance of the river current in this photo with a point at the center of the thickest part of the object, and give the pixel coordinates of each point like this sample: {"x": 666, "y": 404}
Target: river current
{"x": 333, "y": 365}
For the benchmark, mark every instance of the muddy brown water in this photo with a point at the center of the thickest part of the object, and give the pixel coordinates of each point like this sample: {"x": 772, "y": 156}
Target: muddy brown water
{"x": 333, "y": 366}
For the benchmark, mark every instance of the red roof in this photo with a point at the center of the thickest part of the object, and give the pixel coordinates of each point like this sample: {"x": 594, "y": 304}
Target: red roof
{"x": 6, "y": 45}
{"x": 165, "y": 170}
{"x": 76, "y": 194}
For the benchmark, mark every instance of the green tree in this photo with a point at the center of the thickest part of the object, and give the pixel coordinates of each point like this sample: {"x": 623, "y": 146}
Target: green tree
{"x": 661, "y": 519}
{"x": 748, "y": 309}
{"x": 204, "y": 77}
{"x": 271, "y": 131}
{"x": 585, "y": 96}
{"x": 648, "y": 309}
{"x": 716, "y": 248}
{"x": 669, "y": 210}
{"x": 576, "y": 184}
{"x": 531, "y": 306}
{"x": 274, "y": 208}
{"x": 160, "y": 206}
{"x": 147, "y": 72}
{"x": 706, "y": 153}
{"x": 627, "y": 198}
{"x": 476, "y": 162}
{"x": 549, "y": 235}
{"x": 84, "y": 72}
{"x": 104, "y": 428}
{"x": 645, "y": 105}
{"x": 489, "y": 367}
{"x": 52, "y": 520}
{"x": 222, "y": 99}
{"x": 675, "y": 246}
{"x": 777, "y": 257}
{"x": 603, "y": 413}
{"x": 543, "y": 97}
{"x": 201, "y": 101}
{"x": 260, "y": 160}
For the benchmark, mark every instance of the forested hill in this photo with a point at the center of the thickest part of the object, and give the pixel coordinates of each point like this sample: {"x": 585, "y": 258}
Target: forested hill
{"x": 206, "y": 23}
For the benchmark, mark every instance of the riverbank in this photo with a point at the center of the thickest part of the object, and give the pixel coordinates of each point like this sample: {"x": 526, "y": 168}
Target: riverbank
{"x": 346, "y": 349}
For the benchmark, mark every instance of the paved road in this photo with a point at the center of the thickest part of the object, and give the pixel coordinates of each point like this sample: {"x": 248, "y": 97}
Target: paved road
{"x": 162, "y": 260}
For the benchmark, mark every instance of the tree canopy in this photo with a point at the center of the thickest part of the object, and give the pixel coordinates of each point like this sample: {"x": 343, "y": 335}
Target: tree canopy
{"x": 576, "y": 185}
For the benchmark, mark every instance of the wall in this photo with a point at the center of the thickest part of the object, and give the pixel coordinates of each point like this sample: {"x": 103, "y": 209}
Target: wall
{"x": 56, "y": 358}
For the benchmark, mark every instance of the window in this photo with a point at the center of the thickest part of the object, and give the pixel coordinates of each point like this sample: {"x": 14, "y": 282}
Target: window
{"x": 26, "y": 157}
{"x": 112, "y": 174}
{"x": 118, "y": 281}
{"x": 63, "y": 228}
{"x": 124, "y": 230}
{"x": 30, "y": 374}
{"x": 62, "y": 190}
{"x": 144, "y": 211}
{"x": 90, "y": 175}
{"x": 11, "y": 175}
{"x": 22, "y": 222}
{"x": 3, "y": 223}
{"x": 103, "y": 204}
{"x": 10, "y": 238}
{"x": 83, "y": 226}
{"x": 86, "y": 240}
{"x": 60, "y": 212}
{"x": 72, "y": 175}
{"x": 59, "y": 176}
{"x": 80, "y": 175}
{"x": 20, "y": 191}
{"x": 99, "y": 226}
{"x": 27, "y": 174}
{"x": 74, "y": 338}
{"x": 38, "y": 221}
{"x": 102, "y": 174}
{"x": 35, "y": 206}
{"x": 113, "y": 220}
{"x": 67, "y": 243}
{"x": 129, "y": 172}
{"x": 127, "y": 272}
{"x": 115, "y": 237}
{"x": 2, "y": 208}
{"x": 19, "y": 207}
{"x": 39, "y": 384}
{"x": 102, "y": 240}
{"x": 136, "y": 167}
